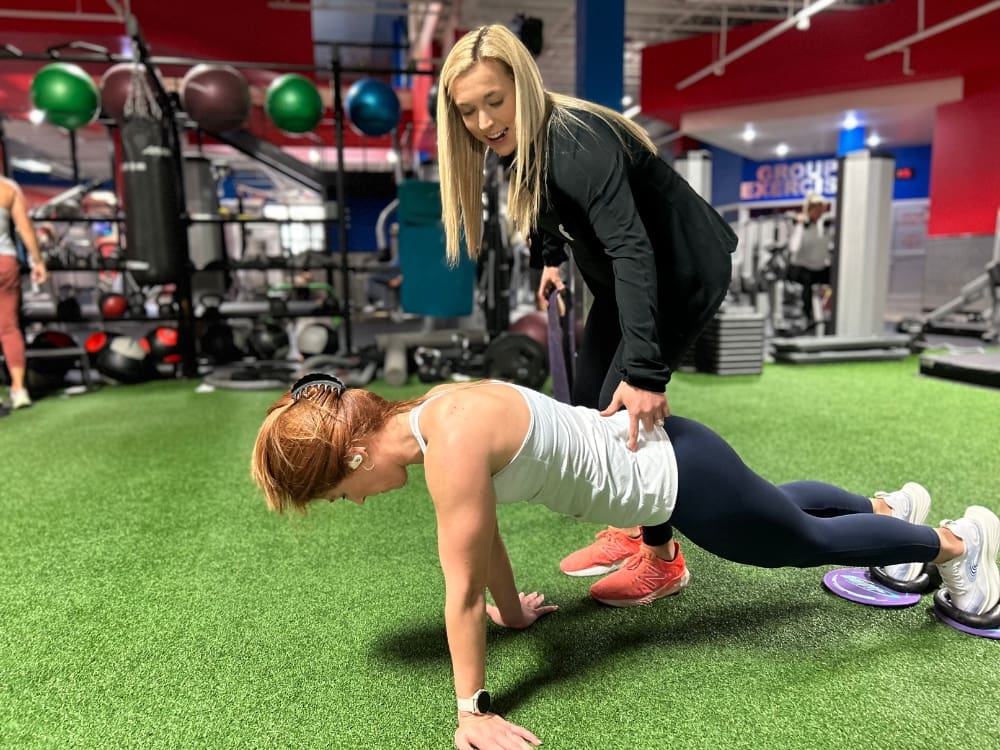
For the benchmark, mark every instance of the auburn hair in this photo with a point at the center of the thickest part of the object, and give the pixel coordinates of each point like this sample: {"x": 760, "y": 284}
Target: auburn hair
{"x": 302, "y": 446}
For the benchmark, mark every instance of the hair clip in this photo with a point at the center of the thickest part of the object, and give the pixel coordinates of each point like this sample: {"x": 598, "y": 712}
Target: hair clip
{"x": 319, "y": 380}
{"x": 355, "y": 461}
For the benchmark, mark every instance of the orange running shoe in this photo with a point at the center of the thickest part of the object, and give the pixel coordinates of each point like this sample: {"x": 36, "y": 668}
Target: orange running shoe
{"x": 612, "y": 548}
{"x": 643, "y": 578}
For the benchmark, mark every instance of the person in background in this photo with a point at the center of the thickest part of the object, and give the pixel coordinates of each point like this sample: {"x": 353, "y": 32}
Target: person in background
{"x": 810, "y": 251}
{"x": 14, "y": 209}
{"x": 655, "y": 255}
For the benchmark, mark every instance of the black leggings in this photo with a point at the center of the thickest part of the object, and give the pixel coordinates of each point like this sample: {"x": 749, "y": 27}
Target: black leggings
{"x": 728, "y": 510}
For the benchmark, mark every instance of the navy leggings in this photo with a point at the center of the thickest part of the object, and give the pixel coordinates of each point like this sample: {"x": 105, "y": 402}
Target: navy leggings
{"x": 728, "y": 510}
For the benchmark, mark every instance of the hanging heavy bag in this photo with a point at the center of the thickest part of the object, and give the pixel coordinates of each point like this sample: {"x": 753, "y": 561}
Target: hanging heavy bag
{"x": 153, "y": 228}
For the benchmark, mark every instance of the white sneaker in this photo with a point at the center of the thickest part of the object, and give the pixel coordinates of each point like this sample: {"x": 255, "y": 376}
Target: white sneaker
{"x": 973, "y": 578}
{"x": 911, "y": 503}
{"x": 20, "y": 399}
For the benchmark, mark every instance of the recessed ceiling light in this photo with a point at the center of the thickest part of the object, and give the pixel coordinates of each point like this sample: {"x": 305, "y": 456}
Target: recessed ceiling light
{"x": 873, "y": 140}
{"x": 850, "y": 121}
{"x": 36, "y": 117}
{"x": 781, "y": 149}
{"x": 748, "y": 133}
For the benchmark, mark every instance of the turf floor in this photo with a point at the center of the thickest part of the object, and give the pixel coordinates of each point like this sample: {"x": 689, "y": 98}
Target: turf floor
{"x": 149, "y": 600}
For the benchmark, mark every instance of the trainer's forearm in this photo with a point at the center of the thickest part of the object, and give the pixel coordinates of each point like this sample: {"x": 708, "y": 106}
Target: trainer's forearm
{"x": 465, "y": 624}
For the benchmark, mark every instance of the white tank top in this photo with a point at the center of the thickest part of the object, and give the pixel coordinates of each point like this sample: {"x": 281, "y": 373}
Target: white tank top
{"x": 576, "y": 462}
{"x": 7, "y": 246}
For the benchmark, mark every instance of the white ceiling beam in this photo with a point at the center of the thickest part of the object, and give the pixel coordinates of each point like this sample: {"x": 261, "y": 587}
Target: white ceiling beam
{"x": 756, "y": 42}
{"x": 905, "y": 42}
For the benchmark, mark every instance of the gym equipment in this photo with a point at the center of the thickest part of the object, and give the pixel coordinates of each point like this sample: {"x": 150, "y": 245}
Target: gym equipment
{"x": 731, "y": 344}
{"x": 153, "y": 229}
{"x": 217, "y": 97}
{"x": 269, "y": 340}
{"x": 217, "y": 340}
{"x": 206, "y": 241}
{"x": 47, "y": 361}
{"x": 432, "y": 100}
{"x": 977, "y": 366}
{"x": 317, "y": 338}
{"x": 395, "y": 370}
{"x": 161, "y": 345}
{"x": 430, "y": 286}
{"x": 562, "y": 346}
{"x": 356, "y": 370}
{"x": 517, "y": 358}
{"x": 115, "y": 85}
{"x": 113, "y": 305}
{"x": 534, "y": 325}
{"x": 860, "y": 271}
{"x": 461, "y": 360}
{"x": 293, "y": 103}
{"x": 66, "y": 94}
{"x": 841, "y": 348}
{"x": 928, "y": 580}
{"x": 372, "y": 106}
{"x": 123, "y": 360}
{"x": 856, "y": 585}
{"x": 986, "y": 625}
{"x": 253, "y": 376}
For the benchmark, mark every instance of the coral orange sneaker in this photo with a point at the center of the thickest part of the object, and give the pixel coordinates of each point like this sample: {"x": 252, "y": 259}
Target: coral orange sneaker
{"x": 612, "y": 548}
{"x": 643, "y": 578}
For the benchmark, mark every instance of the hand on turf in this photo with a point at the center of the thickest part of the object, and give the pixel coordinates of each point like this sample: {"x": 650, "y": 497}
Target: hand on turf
{"x": 644, "y": 407}
{"x": 532, "y": 607}
{"x": 491, "y": 732}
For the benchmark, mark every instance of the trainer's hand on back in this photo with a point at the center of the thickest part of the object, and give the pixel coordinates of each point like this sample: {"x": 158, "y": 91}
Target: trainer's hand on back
{"x": 491, "y": 732}
{"x": 533, "y": 606}
{"x": 646, "y": 408}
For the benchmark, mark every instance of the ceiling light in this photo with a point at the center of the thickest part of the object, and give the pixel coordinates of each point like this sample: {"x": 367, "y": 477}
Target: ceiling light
{"x": 31, "y": 165}
{"x": 627, "y": 101}
{"x": 36, "y": 117}
{"x": 781, "y": 149}
{"x": 850, "y": 121}
{"x": 873, "y": 140}
{"x": 748, "y": 134}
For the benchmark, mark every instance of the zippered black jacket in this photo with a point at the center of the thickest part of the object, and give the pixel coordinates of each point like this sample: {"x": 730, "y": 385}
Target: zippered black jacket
{"x": 638, "y": 232}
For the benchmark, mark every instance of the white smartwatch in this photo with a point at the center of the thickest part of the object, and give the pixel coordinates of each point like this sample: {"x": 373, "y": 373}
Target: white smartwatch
{"x": 479, "y": 703}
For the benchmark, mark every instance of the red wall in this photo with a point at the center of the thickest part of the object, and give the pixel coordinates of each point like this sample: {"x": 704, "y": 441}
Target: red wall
{"x": 965, "y": 167}
{"x": 830, "y": 58}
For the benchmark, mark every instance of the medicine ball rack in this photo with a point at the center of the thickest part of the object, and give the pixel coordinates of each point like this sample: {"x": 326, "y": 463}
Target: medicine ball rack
{"x": 331, "y": 191}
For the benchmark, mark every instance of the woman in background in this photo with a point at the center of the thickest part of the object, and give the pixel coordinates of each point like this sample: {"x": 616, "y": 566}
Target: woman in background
{"x": 13, "y": 209}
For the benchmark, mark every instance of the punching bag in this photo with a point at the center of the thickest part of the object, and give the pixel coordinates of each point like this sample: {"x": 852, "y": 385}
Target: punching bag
{"x": 153, "y": 228}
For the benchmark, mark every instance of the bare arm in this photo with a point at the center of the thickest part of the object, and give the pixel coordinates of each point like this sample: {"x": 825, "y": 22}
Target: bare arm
{"x": 501, "y": 583}
{"x": 466, "y": 521}
{"x": 26, "y": 230}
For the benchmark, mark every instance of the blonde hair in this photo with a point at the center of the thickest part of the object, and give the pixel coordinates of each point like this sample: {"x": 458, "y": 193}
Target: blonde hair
{"x": 302, "y": 447}
{"x": 537, "y": 111}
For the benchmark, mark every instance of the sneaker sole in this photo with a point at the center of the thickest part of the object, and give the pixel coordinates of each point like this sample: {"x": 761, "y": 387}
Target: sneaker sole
{"x": 596, "y": 570}
{"x": 990, "y": 525}
{"x": 920, "y": 508}
{"x": 669, "y": 590}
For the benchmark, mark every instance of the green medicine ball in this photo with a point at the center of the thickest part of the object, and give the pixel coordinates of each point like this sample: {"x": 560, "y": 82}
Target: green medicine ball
{"x": 66, "y": 94}
{"x": 293, "y": 103}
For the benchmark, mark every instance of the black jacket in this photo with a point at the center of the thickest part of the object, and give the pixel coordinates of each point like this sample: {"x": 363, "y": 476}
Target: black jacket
{"x": 638, "y": 232}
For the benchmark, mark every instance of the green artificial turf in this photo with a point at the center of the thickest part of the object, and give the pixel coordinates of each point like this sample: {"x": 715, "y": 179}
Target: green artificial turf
{"x": 149, "y": 600}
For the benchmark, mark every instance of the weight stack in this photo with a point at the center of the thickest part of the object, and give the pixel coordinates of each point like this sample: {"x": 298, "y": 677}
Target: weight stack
{"x": 732, "y": 344}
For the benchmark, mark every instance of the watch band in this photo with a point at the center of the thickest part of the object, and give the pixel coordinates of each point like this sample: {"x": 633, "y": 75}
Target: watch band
{"x": 479, "y": 703}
